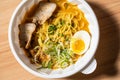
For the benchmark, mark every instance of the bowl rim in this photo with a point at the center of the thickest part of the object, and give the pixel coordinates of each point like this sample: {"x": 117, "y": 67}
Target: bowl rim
{"x": 28, "y": 68}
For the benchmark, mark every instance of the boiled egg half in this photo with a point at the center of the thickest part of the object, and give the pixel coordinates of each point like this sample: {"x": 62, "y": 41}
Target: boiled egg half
{"x": 80, "y": 42}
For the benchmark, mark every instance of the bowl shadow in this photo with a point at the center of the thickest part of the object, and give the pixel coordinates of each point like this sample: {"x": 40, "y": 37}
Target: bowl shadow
{"x": 108, "y": 48}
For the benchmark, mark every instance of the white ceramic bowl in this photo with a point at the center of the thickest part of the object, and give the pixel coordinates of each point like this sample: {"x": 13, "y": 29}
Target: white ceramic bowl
{"x": 86, "y": 64}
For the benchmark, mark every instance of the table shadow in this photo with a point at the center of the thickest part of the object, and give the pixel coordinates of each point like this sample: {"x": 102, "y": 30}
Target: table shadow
{"x": 108, "y": 49}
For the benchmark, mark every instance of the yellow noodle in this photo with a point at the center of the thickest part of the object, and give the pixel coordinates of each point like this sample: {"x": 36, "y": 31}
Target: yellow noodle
{"x": 68, "y": 19}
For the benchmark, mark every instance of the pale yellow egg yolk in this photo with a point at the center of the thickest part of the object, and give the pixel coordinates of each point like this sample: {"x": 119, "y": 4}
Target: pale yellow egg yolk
{"x": 77, "y": 45}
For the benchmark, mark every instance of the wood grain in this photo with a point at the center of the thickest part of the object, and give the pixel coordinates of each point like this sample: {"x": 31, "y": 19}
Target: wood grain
{"x": 107, "y": 55}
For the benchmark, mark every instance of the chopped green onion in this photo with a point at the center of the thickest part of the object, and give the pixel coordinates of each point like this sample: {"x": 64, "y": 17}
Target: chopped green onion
{"x": 49, "y": 64}
{"x": 62, "y": 22}
{"x": 64, "y": 64}
{"x": 62, "y": 35}
{"x": 52, "y": 29}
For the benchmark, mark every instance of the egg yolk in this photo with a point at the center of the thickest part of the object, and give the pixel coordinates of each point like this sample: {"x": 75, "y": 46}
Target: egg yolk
{"x": 77, "y": 45}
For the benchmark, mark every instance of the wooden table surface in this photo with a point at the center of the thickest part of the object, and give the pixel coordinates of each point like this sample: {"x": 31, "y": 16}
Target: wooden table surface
{"x": 107, "y": 54}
